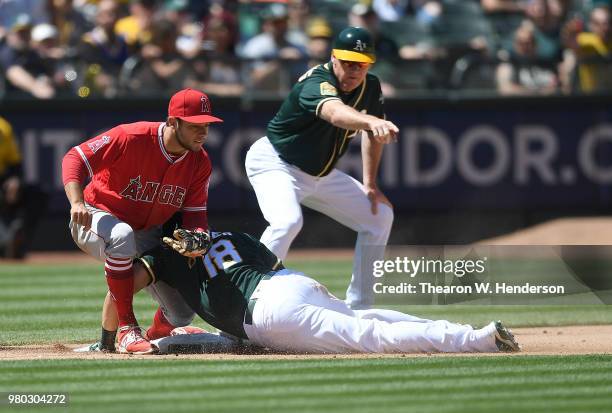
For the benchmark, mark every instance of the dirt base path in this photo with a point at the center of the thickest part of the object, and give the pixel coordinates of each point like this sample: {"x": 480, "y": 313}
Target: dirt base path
{"x": 562, "y": 231}
{"x": 569, "y": 340}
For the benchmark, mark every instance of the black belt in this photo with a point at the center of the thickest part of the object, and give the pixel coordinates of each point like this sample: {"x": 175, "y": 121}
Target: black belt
{"x": 248, "y": 313}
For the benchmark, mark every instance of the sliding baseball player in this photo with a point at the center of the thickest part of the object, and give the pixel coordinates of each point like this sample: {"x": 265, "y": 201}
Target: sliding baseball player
{"x": 240, "y": 287}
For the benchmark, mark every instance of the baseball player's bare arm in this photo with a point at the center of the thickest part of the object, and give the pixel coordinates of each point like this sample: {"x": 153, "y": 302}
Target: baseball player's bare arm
{"x": 371, "y": 152}
{"x": 110, "y": 322}
{"x": 345, "y": 117}
{"x": 78, "y": 212}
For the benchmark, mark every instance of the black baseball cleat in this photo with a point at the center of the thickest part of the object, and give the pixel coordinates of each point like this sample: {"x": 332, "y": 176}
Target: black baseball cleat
{"x": 504, "y": 339}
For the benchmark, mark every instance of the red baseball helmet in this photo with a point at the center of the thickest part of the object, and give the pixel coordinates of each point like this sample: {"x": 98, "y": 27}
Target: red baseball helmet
{"x": 191, "y": 106}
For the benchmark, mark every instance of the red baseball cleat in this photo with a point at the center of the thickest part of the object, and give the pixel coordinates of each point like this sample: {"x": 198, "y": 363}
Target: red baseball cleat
{"x": 131, "y": 341}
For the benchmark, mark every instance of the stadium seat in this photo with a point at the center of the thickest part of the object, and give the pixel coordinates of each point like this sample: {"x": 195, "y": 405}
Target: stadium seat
{"x": 130, "y": 66}
{"x": 504, "y": 24}
{"x": 407, "y": 75}
{"x": 462, "y": 8}
{"x": 331, "y": 9}
{"x": 457, "y": 31}
{"x": 407, "y": 31}
{"x": 471, "y": 73}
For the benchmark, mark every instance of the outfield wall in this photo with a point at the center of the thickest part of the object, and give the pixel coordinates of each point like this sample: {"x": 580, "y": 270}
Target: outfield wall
{"x": 456, "y": 157}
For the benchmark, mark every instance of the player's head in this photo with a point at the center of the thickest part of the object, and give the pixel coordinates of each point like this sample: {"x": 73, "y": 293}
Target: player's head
{"x": 352, "y": 55}
{"x": 354, "y": 44}
{"x": 189, "y": 114}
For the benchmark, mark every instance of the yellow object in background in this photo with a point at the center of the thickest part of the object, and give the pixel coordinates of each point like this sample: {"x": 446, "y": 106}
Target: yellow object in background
{"x": 130, "y": 29}
{"x": 594, "y": 76}
{"x": 9, "y": 152}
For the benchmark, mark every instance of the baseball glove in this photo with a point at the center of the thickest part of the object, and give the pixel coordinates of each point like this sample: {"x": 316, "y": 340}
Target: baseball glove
{"x": 189, "y": 243}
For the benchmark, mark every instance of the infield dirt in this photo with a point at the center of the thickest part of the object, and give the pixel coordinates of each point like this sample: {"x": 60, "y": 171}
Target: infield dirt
{"x": 568, "y": 340}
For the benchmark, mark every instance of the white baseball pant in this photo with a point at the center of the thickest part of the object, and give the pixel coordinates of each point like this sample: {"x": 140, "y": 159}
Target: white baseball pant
{"x": 281, "y": 188}
{"x": 295, "y": 313}
{"x": 109, "y": 236}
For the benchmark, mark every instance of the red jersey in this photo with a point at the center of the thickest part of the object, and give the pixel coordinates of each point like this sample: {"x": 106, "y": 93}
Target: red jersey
{"x": 136, "y": 180}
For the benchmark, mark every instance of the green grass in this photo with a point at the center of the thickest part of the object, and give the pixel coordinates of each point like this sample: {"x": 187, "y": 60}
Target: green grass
{"x": 62, "y": 303}
{"x": 457, "y": 384}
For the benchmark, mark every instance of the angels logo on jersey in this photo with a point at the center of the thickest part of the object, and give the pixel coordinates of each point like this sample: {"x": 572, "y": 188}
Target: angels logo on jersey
{"x": 98, "y": 143}
{"x": 167, "y": 194}
{"x": 131, "y": 191}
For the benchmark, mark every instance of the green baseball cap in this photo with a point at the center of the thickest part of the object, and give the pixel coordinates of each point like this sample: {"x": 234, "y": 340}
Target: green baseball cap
{"x": 354, "y": 44}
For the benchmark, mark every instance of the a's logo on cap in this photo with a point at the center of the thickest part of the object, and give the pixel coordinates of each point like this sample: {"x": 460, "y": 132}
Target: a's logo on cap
{"x": 359, "y": 46}
{"x": 205, "y": 104}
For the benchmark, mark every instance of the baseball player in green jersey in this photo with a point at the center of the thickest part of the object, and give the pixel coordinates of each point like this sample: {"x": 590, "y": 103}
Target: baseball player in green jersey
{"x": 295, "y": 163}
{"x": 240, "y": 287}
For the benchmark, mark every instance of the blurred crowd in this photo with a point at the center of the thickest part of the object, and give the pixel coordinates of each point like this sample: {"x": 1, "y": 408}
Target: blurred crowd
{"x": 112, "y": 48}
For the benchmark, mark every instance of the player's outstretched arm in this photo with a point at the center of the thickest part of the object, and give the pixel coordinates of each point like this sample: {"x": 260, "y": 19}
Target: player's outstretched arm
{"x": 345, "y": 117}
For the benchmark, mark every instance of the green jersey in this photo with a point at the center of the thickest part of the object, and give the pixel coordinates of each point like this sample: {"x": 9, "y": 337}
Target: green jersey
{"x": 218, "y": 286}
{"x": 305, "y": 140}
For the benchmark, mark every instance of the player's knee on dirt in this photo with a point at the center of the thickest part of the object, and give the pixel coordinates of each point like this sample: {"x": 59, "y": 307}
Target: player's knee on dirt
{"x": 122, "y": 242}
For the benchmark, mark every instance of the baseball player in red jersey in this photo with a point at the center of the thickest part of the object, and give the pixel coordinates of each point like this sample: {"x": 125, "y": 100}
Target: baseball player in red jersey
{"x": 141, "y": 174}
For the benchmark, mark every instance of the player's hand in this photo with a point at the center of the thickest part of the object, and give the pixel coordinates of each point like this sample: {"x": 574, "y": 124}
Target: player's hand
{"x": 383, "y": 131}
{"x": 375, "y": 196}
{"x": 80, "y": 215}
